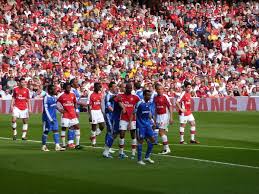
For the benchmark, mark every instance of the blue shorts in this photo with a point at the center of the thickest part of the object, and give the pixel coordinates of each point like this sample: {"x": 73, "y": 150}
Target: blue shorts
{"x": 144, "y": 132}
{"x": 108, "y": 121}
{"x": 50, "y": 126}
{"x": 116, "y": 126}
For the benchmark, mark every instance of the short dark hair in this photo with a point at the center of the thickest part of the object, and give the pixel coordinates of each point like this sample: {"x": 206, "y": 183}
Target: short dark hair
{"x": 65, "y": 85}
{"x": 137, "y": 85}
{"x": 22, "y": 79}
{"x": 72, "y": 81}
{"x": 187, "y": 84}
{"x": 111, "y": 84}
{"x": 157, "y": 85}
{"x": 145, "y": 92}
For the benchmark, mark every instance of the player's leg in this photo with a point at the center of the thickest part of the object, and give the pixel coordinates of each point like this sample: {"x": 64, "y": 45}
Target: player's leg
{"x": 45, "y": 137}
{"x": 93, "y": 135}
{"x": 192, "y": 129}
{"x": 70, "y": 136}
{"x": 14, "y": 126}
{"x": 24, "y": 128}
{"x": 183, "y": 121}
{"x": 123, "y": 129}
{"x": 163, "y": 135}
{"x": 54, "y": 129}
{"x": 139, "y": 148}
{"x": 64, "y": 126}
{"x": 150, "y": 143}
{"x": 78, "y": 135}
{"x": 108, "y": 137}
{"x": 133, "y": 143}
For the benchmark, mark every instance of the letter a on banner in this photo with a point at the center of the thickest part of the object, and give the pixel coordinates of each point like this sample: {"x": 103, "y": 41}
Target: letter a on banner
{"x": 251, "y": 104}
{"x": 203, "y": 106}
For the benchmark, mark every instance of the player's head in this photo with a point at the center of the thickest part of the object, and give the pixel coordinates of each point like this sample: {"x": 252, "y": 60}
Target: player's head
{"x": 128, "y": 89}
{"x": 22, "y": 82}
{"x": 112, "y": 87}
{"x": 159, "y": 89}
{"x": 122, "y": 87}
{"x": 137, "y": 85}
{"x": 74, "y": 83}
{"x": 97, "y": 87}
{"x": 188, "y": 87}
{"x": 67, "y": 87}
{"x": 147, "y": 95}
{"x": 51, "y": 90}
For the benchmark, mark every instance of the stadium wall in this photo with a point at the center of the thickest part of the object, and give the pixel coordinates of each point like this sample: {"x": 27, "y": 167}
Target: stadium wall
{"x": 224, "y": 104}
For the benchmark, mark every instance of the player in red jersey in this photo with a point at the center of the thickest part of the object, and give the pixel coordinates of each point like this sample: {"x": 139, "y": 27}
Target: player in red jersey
{"x": 95, "y": 112}
{"x": 69, "y": 119}
{"x": 127, "y": 102}
{"x": 183, "y": 103}
{"x": 20, "y": 107}
{"x": 163, "y": 116}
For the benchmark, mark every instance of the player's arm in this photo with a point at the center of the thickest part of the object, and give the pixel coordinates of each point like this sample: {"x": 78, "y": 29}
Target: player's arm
{"x": 170, "y": 108}
{"x": 178, "y": 101}
{"x": 29, "y": 102}
{"x": 108, "y": 102}
{"x": 118, "y": 100}
{"x": 45, "y": 100}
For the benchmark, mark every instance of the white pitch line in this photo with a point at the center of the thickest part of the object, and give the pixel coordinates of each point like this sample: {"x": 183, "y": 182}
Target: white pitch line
{"x": 167, "y": 156}
{"x": 209, "y": 146}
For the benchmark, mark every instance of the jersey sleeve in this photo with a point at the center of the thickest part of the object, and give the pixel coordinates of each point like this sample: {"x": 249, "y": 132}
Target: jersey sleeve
{"x": 28, "y": 94}
{"x": 137, "y": 106}
{"x": 89, "y": 99}
{"x": 45, "y": 102}
{"x": 117, "y": 98}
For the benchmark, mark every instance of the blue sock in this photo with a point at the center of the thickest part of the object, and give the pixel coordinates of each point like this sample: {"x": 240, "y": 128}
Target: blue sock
{"x": 149, "y": 149}
{"x": 139, "y": 148}
{"x": 70, "y": 135}
{"x": 108, "y": 140}
{"x": 156, "y": 136}
{"x": 56, "y": 137}
{"x": 44, "y": 137}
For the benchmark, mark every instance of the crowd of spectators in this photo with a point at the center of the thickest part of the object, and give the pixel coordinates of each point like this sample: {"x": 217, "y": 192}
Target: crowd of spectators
{"x": 212, "y": 44}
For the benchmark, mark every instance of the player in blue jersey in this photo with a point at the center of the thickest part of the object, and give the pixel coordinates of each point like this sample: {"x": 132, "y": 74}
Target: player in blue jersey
{"x": 138, "y": 90}
{"x": 145, "y": 126}
{"x": 108, "y": 116}
{"x": 49, "y": 118}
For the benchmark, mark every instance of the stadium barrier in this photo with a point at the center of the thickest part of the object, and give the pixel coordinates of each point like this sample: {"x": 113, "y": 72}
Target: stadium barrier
{"x": 242, "y": 103}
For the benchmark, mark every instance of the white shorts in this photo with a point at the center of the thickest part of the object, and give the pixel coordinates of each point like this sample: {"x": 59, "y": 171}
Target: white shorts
{"x": 97, "y": 117}
{"x": 65, "y": 122}
{"x": 185, "y": 119}
{"x": 162, "y": 121}
{"x": 20, "y": 114}
{"x": 124, "y": 125}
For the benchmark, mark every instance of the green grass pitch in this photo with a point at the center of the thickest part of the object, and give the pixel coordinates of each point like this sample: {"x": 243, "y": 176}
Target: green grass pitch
{"x": 226, "y": 161}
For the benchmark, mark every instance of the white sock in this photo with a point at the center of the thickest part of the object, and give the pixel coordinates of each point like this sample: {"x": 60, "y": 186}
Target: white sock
{"x": 193, "y": 131}
{"x": 14, "y": 125}
{"x": 181, "y": 134}
{"x": 93, "y": 137}
{"x": 77, "y": 133}
{"x": 24, "y": 130}
{"x": 106, "y": 150}
{"x": 134, "y": 146}
{"x": 165, "y": 142}
{"x": 122, "y": 141}
{"x": 98, "y": 131}
{"x": 63, "y": 138}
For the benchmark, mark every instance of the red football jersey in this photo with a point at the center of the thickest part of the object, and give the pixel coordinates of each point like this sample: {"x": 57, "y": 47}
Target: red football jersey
{"x": 95, "y": 101}
{"x": 21, "y": 97}
{"x": 68, "y": 102}
{"x": 162, "y": 103}
{"x": 129, "y": 101}
{"x": 185, "y": 102}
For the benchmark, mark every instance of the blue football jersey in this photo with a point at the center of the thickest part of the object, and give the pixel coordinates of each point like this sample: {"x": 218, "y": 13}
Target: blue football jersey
{"x": 49, "y": 108}
{"x": 77, "y": 94}
{"x": 139, "y": 93}
{"x": 143, "y": 112}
